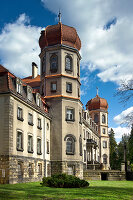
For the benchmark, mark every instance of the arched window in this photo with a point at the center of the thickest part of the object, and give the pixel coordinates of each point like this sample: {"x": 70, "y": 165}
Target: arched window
{"x": 96, "y": 118}
{"x": 54, "y": 63}
{"x": 104, "y": 159}
{"x": 68, "y": 63}
{"x": 103, "y": 119}
{"x": 70, "y": 144}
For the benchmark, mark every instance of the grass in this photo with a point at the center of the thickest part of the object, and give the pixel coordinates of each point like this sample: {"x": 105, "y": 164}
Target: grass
{"x": 98, "y": 190}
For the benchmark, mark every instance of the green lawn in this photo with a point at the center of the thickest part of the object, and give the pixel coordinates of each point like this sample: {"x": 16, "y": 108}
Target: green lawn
{"x": 101, "y": 190}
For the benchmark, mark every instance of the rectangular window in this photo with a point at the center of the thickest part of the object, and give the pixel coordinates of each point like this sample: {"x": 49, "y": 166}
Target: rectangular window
{"x": 84, "y": 155}
{"x": 39, "y": 146}
{"x": 80, "y": 118}
{"x": 53, "y": 87}
{"x": 69, "y": 114}
{"x": 19, "y": 88}
{"x": 39, "y": 126}
{"x": 30, "y": 119}
{"x": 38, "y": 101}
{"x": 78, "y": 92}
{"x": 39, "y": 169}
{"x": 19, "y": 141}
{"x": 20, "y": 114}
{"x": 31, "y": 169}
{"x": 104, "y": 131}
{"x": 69, "y": 87}
{"x": 30, "y": 144}
{"x": 104, "y": 144}
{"x": 47, "y": 147}
{"x": 29, "y": 94}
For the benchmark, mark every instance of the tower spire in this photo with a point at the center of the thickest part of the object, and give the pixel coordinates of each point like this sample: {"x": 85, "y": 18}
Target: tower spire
{"x": 59, "y": 15}
{"x": 97, "y": 91}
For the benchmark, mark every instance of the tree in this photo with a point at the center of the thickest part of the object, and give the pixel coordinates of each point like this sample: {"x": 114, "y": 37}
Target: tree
{"x": 125, "y": 93}
{"x": 113, "y": 150}
{"x": 130, "y": 144}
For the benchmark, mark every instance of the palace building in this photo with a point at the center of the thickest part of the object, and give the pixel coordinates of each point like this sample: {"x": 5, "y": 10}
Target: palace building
{"x": 44, "y": 128}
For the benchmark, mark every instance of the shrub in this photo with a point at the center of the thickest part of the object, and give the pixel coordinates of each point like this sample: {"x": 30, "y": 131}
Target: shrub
{"x": 64, "y": 181}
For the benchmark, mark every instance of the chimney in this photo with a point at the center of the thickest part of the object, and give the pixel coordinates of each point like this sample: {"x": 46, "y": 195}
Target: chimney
{"x": 34, "y": 70}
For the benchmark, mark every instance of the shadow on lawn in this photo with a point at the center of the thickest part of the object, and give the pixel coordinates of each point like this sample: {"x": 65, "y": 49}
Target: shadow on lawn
{"x": 37, "y": 192}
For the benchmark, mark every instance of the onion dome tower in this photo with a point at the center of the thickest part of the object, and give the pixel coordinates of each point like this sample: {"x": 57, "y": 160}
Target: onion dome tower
{"x": 60, "y": 85}
{"x": 98, "y": 109}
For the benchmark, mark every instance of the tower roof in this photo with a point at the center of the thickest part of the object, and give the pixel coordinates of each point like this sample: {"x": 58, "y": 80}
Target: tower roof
{"x": 97, "y": 103}
{"x": 59, "y": 34}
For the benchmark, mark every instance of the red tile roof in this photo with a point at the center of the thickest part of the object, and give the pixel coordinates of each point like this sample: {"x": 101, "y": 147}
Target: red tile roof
{"x": 33, "y": 82}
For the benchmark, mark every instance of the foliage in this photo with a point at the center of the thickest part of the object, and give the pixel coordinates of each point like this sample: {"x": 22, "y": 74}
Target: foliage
{"x": 98, "y": 190}
{"x": 130, "y": 146}
{"x": 64, "y": 181}
{"x": 113, "y": 150}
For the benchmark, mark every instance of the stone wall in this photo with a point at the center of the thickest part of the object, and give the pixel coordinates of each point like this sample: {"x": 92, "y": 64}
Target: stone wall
{"x": 111, "y": 175}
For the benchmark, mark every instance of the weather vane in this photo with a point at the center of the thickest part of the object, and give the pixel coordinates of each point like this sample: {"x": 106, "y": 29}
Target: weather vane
{"x": 97, "y": 91}
{"x": 59, "y": 15}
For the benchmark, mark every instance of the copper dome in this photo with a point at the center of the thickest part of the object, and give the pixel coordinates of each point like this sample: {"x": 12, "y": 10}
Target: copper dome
{"x": 59, "y": 34}
{"x": 97, "y": 103}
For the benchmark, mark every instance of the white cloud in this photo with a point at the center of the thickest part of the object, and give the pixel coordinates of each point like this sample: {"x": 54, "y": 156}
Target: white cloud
{"x": 119, "y": 131}
{"x": 110, "y": 51}
{"x": 125, "y": 117}
{"x": 19, "y": 46}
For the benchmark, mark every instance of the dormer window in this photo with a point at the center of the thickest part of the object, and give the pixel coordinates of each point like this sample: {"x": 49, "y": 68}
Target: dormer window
{"x": 54, "y": 63}
{"x": 38, "y": 100}
{"x": 68, "y": 63}
{"x": 18, "y": 85}
{"x": 29, "y": 94}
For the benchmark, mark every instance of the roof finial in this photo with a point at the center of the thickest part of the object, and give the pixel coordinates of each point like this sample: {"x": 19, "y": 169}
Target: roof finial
{"x": 59, "y": 15}
{"x": 97, "y": 91}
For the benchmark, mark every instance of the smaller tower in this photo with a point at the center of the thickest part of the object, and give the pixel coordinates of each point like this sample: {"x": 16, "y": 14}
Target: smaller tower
{"x": 98, "y": 109}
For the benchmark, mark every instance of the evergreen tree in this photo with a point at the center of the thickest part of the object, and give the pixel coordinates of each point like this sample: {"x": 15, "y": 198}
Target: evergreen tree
{"x": 130, "y": 146}
{"x": 113, "y": 150}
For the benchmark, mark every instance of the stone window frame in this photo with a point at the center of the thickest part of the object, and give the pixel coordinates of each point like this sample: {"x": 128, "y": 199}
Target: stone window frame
{"x": 105, "y": 158}
{"x": 39, "y": 148}
{"x": 39, "y": 165}
{"x": 78, "y": 92}
{"x": 103, "y": 119}
{"x": 71, "y": 63}
{"x": 30, "y": 119}
{"x": 30, "y": 149}
{"x": 70, "y": 119}
{"x": 103, "y": 130}
{"x": 78, "y": 67}
{"x": 70, "y": 138}
{"x": 85, "y": 155}
{"x": 96, "y": 118}
{"x": 80, "y": 117}
{"x": 29, "y": 93}
{"x": 53, "y": 69}
{"x": 52, "y": 88}
{"x": 80, "y": 146}
{"x": 38, "y": 99}
{"x": 48, "y": 147}
{"x": 39, "y": 122}
{"x": 20, "y": 113}
{"x": 43, "y": 65}
{"x": 104, "y": 144}
{"x": 69, "y": 89}
{"x": 22, "y": 140}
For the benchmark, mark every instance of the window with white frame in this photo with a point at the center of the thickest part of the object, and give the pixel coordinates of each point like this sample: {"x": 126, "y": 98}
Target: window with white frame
{"x": 18, "y": 86}
{"x": 30, "y": 119}
{"x": 19, "y": 141}
{"x": 104, "y": 144}
{"x": 69, "y": 114}
{"x": 29, "y": 94}
{"x": 39, "y": 126}
{"x": 39, "y": 146}
{"x": 20, "y": 114}
{"x": 30, "y": 143}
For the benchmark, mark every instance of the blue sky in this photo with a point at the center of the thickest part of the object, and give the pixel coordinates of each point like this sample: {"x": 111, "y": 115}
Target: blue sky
{"x": 105, "y": 29}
